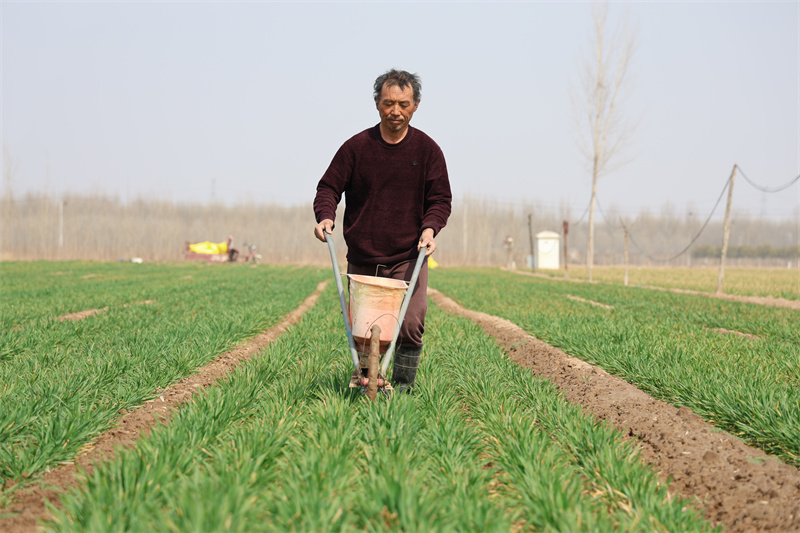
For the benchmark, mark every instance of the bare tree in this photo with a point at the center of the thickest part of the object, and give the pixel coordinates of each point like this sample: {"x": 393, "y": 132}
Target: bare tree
{"x": 604, "y": 80}
{"x": 9, "y": 170}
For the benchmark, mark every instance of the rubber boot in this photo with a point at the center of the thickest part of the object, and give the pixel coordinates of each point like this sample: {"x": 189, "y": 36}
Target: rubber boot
{"x": 404, "y": 369}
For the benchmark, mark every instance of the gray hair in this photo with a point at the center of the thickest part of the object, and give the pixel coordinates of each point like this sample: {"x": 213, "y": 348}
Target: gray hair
{"x": 399, "y": 78}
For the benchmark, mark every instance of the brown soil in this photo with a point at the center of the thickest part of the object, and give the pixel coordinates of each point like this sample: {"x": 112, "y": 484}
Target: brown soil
{"x": 724, "y": 331}
{"x": 596, "y": 304}
{"x": 80, "y": 315}
{"x": 738, "y": 487}
{"x": 29, "y": 504}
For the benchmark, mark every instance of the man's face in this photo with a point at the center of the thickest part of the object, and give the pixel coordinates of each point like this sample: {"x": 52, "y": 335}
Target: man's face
{"x": 396, "y": 107}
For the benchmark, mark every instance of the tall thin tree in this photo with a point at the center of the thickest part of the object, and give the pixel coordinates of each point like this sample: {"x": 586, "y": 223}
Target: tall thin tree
{"x": 604, "y": 81}
{"x": 9, "y": 170}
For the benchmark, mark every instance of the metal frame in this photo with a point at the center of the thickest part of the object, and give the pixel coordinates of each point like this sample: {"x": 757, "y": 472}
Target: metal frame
{"x": 387, "y": 357}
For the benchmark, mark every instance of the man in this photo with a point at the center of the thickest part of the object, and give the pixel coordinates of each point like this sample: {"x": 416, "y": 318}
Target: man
{"x": 397, "y": 200}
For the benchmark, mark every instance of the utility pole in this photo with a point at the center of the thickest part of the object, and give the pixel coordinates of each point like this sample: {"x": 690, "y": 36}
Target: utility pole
{"x": 61, "y": 224}
{"x": 726, "y": 232}
{"x": 464, "y": 243}
{"x": 627, "y": 231}
{"x": 566, "y": 227}
{"x": 530, "y": 235}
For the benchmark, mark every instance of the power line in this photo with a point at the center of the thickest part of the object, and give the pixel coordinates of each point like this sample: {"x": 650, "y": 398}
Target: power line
{"x": 585, "y": 211}
{"x": 694, "y": 239}
{"x": 779, "y": 188}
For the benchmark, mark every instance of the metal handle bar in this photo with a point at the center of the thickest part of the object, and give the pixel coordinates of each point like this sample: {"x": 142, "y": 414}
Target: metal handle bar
{"x": 403, "y": 308}
{"x": 340, "y": 288}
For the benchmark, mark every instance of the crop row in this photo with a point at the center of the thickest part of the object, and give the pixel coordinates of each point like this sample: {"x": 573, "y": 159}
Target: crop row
{"x": 677, "y": 347}
{"x": 64, "y": 382}
{"x": 37, "y": 291}
{"x": 284, "y": 445}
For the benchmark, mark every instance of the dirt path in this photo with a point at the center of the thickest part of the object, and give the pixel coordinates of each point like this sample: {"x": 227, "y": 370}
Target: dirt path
{"x": 768, "y": 301}
{"x": 739, "y": 487}
{"x": 80, "y": 315}
{"x": 29, "y": 503}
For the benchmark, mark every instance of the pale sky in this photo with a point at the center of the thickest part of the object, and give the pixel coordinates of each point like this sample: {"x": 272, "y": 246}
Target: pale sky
{"x": 248, "y": 101}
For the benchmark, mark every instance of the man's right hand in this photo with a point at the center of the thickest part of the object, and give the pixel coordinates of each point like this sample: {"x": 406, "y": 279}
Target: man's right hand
{"x": 326, "y": 226}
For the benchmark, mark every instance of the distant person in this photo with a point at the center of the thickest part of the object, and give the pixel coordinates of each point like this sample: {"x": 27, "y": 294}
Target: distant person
{"x": 397, "y": 200}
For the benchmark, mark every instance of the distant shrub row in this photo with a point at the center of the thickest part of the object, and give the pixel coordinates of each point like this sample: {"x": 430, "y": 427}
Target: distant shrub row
{"x": 763, "y": 252}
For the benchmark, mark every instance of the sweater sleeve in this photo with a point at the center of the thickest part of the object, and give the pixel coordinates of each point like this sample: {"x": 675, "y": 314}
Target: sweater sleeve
{"x": 332, "y": 184}
{"x": 438, "y": 198}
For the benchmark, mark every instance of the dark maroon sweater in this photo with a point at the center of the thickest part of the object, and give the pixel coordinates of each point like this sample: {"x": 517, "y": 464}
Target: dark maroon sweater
{"x": 392, "y": 192}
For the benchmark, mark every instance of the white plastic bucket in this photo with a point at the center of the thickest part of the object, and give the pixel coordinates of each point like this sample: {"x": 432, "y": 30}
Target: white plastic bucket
{"x": 375, "y": 300}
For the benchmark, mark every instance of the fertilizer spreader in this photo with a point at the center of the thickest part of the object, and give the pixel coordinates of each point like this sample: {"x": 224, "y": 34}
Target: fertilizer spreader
{"x": 372, "y": 322}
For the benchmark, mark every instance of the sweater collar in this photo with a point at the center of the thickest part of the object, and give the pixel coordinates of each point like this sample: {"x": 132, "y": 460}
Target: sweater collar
{"x": 376, "y": 133}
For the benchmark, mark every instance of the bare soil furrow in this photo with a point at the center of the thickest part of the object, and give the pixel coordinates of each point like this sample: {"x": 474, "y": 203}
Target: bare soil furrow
{"x": 80, "y": 315}
{"x": 724, "y": 331}
{"x": 592, "y": 302}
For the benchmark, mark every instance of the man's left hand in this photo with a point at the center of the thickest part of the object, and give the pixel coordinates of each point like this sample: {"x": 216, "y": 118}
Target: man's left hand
{"x": 426, "y": 241}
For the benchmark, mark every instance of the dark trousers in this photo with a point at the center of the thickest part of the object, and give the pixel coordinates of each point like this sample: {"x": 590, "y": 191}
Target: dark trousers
{"x": 414, "y": 323}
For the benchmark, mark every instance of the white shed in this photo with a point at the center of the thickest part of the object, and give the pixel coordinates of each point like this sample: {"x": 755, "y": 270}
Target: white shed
{"x": 547, "y": 250}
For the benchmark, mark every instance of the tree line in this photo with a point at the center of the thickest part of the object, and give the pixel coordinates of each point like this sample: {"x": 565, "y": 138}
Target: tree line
{"x": 95, "y": 227}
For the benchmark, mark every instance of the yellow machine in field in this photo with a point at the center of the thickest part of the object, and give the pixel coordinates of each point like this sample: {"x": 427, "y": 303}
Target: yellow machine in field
{"x": 220, "y": 252}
